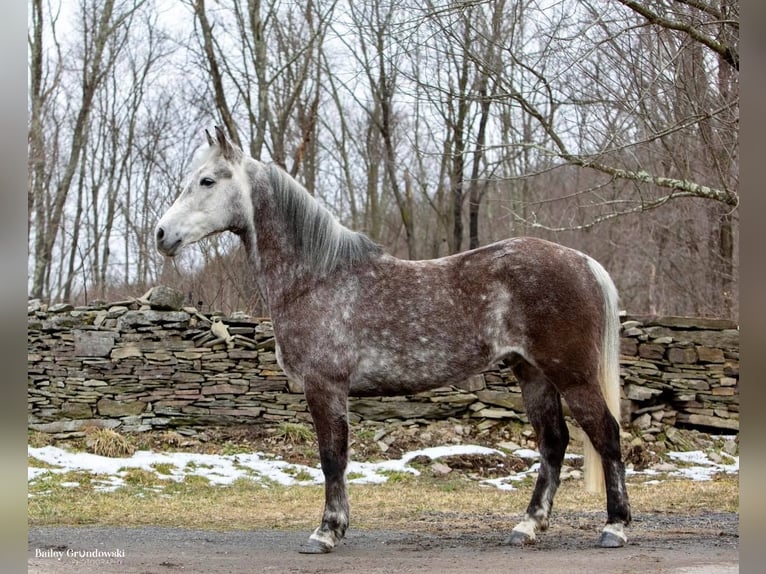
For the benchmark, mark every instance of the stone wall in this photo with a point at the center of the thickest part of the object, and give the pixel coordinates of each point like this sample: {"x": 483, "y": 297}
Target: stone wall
{"x": 147, "y": 364}
{"x": 680, "y": 371}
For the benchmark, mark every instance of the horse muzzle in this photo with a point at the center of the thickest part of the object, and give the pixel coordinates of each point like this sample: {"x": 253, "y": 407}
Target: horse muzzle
{"x": 167, "y": 244}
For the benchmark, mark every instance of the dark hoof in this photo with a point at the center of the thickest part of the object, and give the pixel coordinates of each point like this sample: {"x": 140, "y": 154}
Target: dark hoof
{"x": 315, "y": 547}
{"x": 518, "y": 538}
{"x": 610, "y": 540}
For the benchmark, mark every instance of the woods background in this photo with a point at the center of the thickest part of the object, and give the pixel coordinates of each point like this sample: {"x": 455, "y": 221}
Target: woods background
{"x": 608, "y": 125}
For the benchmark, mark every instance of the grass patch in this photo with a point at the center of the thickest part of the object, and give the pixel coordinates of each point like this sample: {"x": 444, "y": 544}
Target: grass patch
{"x": 190, "y": 483}
{"x": 298, "y": 473}
{"x": 249, "y": 471}
{"x": 141, "y": 477}
{"x": 420, "y": 502}
{"x": 726, "y": 459}
{"x": 448, "y": 485}
{"x": 64, "y": 485}
{"x": 398, "y": 476}
{"x": 364, "y": 433}
{"x": 294, "y": 433}
{"x": 410, "y": 500}
{"x": 195, "y": 481}
{"x": 37, "y": 439}
{"x": 164, "y": 467}
{"x": 37, "y": 463}
{"x": 106, "y": 442}
{"x": 171, "y": 438}
{"x": 420, "y": 462}
{"x": 233, "y": 448}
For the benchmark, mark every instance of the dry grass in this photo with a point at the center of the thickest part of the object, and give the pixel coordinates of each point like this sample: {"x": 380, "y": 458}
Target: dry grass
{"x": 38, "y": 439}
{"x": 294, "y": 433}
{"x": 106, "y": 442}
{"x": 419, "y": 503}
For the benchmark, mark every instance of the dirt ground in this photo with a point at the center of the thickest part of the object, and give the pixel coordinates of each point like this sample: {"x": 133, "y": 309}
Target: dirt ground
{"x": 698, "y": 544}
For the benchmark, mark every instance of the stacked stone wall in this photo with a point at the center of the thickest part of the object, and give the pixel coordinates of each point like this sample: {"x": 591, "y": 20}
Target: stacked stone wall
{"x": 149, "y": 364}
{"x": 680, "y": 371}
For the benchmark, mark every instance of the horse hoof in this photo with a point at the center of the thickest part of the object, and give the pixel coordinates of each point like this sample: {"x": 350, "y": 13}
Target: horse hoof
{"x": 315, "y": 547}
{"x": 518, "y": 538}
{"x": 611, "y": 540}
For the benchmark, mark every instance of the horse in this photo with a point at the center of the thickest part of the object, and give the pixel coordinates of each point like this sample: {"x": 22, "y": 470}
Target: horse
{"x": 352, "y": 320}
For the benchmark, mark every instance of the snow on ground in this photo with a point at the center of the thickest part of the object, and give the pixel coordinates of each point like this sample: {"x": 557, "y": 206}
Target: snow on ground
{"x": 371, "y": 471}
{"x": 225, "y": 469}
{"x": 701, "y": 466}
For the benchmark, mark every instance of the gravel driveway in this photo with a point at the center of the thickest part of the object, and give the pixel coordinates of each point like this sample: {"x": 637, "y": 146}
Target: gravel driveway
{"x": 699, "y": 544}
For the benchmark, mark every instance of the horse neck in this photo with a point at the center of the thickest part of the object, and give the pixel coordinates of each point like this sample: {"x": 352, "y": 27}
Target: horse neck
{"x": 279, "y": 268}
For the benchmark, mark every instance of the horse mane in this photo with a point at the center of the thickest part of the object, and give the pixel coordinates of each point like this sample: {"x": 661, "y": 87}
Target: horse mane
{"x": 323, "y": 243}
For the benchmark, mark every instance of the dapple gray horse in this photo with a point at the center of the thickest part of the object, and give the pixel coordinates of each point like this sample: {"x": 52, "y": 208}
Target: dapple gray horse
{"x": 350, "y": 319}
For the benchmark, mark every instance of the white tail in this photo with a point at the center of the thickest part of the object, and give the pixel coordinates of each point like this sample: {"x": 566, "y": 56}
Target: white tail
{"x": 608, "y": 374}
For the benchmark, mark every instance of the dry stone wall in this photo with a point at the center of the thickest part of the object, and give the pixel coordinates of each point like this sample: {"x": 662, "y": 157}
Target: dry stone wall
{"x": 149, "y": 363}
{"x": 680, "y": 371}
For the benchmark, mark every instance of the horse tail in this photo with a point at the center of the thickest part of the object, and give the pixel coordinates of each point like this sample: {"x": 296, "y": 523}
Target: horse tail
{"x": 608, "y": 373}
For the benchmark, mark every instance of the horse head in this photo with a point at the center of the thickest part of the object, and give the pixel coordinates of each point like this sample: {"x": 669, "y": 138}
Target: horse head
{"x": 214, "y": 199}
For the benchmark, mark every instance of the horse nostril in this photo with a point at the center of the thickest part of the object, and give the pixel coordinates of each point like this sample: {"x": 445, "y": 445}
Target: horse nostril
{"x": 160, "y": 233}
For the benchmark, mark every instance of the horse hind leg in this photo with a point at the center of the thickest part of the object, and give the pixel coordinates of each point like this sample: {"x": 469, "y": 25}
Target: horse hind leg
{"x": 591, "y": 412}
{"x": 329, "y": 412}
{"x": 543, "y": 406}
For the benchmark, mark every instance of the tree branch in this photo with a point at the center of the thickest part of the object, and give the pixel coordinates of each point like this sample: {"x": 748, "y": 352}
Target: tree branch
{"x": 642, "y": 207}
{"x": 729, "y": 54}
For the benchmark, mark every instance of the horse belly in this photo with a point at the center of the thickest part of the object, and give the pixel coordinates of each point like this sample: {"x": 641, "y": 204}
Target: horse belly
{"x": 402, "y": 371}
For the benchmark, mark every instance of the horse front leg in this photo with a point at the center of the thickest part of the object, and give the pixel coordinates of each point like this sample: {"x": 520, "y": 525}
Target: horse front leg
{"x": 329, "y": 411}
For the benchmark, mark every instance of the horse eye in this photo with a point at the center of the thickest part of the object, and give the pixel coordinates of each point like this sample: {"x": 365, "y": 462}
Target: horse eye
{"x": 206, "y": 182}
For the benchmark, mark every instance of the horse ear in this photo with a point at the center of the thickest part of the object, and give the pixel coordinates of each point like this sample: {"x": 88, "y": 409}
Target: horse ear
{"x": 220, "y": 137}
{"x": 210, "y": 139}
{"x": 230, "y": 151}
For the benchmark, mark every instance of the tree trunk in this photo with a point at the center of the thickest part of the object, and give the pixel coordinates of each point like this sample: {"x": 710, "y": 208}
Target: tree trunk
{"x": 215, "y": 72}
{"x": 47, "y": 229}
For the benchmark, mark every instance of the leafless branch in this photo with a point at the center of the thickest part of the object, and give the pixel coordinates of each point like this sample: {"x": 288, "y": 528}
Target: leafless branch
{"x": 729, "y": 53}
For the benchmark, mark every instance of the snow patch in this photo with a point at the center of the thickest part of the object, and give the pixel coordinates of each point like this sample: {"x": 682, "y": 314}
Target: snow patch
{"x": 225, "y": 469}
{"x": 109, "y": 473}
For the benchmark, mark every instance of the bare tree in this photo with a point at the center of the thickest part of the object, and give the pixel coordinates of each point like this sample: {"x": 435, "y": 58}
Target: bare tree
{"x": 463, "y": 45}
{"x": 373, "y": 26}
{"x": 609, "y": 126}
{"x": 599, "y": 95}
{"x": 645, "y": 99}
{"x": 100, "y": 22}
{"x": 264, "y": 65}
